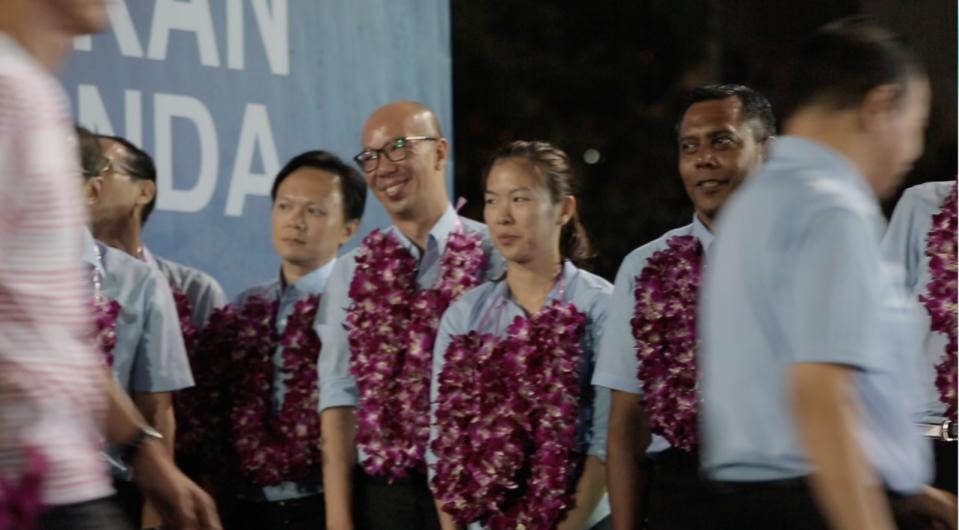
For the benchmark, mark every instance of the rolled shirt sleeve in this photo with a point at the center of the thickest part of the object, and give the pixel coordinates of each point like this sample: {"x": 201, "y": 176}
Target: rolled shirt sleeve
{"x": 833, "y": 298}
{"x": 617, "y": 367}
{"x": 337, "y": 385}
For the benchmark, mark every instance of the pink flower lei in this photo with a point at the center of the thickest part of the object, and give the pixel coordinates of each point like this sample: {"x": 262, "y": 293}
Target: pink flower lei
{"x": 22, "y": 501}
{"x": 506, "y": 417}
{"x": 238, "y": 346}
{"x": 202, "y": 412}
{"x": 391, "y": 328}
{"x": 940, "y": 298}
{"x": 106, "y": 314}
{"x": 664, "y": 328}
{"x": 271, "y": 449}
{"x": 188, "y": 409}
{"x": 184, "y": 311}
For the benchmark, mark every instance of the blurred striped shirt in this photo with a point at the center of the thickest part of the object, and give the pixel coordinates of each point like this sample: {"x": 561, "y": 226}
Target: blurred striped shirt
{"x": 51, "y": 396}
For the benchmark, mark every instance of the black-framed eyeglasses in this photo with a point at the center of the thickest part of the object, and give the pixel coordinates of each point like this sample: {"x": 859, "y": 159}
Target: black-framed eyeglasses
{"x": 103, "y": 166}
{"x": 396, "y": 150}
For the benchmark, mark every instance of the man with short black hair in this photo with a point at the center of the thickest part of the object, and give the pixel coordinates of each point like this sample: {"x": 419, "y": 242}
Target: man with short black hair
{"x": 267, "y": 411}
{"x": 807, "y": 354}
{"x": 128, "y": 196}
{"x": 145, "y": 351}
{"x": 723, "y": 136}
{"x": 921, "y": 238}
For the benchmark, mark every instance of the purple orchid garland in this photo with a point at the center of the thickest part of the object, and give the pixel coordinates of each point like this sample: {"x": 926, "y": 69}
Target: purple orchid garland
{"x": 391, "y": 328}
{"x": 664, "y": 328}
{"x": 201, "y": 416}
{"x": 271, "y": 449}
{"x": 106, "y": 314}
{"x": 506, "y": 406}
{"x": 940, "y": 298}
{"x": 22, "y": 501}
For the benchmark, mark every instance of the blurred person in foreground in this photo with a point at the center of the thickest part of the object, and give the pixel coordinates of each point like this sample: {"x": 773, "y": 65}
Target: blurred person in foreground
{"x": 56, "y": 395}
{"x": 807, "y": 358}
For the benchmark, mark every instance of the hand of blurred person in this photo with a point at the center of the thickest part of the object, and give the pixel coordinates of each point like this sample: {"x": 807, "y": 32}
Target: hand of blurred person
{"x": 935, "y": 506}
{"x": 182, "y": 504}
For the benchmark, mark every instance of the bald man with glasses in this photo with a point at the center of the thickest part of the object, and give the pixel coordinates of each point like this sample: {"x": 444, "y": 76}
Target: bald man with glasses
{"x": 404, "y": 161}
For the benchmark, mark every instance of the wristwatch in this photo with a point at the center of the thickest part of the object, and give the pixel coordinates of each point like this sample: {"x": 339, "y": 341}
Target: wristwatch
{"x": 130, "y": 449}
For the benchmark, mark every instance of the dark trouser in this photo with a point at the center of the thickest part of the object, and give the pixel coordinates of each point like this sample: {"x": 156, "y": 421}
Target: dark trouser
{"x": 129, "y": 500}
{"x": 99, "y": 514}
{"x": 783, "y": 505}
{"x": 945, "y": 465}
{"x": 406, "y": 504}
{"x": 307, "y": 513}
{"x": 678, "y": 498}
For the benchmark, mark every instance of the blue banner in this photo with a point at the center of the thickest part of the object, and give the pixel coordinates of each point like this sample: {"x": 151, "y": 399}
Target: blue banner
{"x": 223, "y": 92}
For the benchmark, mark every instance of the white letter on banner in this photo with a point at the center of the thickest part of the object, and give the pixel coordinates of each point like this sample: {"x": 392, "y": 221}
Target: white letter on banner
{"x": 235, "y": 47}
{"x": 166, "y": 108}
{"x": 255, "y": 133}
{"x": 123, "y": 29}
{"x": 133, "y": 107}
{"x": 91, "y": 112}
{"x": 83, "y": 43}
{"x": 274, "y": 31}
{"x": 193, "y": 16}
{"x": 122, "y": 25}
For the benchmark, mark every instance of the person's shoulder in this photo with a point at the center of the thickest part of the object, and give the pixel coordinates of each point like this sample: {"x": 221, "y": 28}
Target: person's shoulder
{"x": 928, "y": 195}
{"x": 594, "y": 283}
{"x": 262, "y": 289}
{"x": 184, "y": 276}
{"x": 475, "y": 296}
{"x": 26, "y": 87}
{"x": 636, "y": 260}
{"x": 471, "y": 225}
{"x": 119, "y": 263}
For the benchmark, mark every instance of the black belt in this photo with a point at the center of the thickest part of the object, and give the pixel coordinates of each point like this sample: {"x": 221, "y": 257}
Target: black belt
{"x": 414, "y": 480}
{"x": 945, "y": 431}
{"x": 289, "y": 504}
{"x": 730, "y": 486}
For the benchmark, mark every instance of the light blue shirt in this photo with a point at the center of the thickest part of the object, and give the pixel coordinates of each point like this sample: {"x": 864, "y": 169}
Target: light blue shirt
{"x": 149, "y": 355}
{"x": 796, "y": 276}
{"x": 203, "y": 291}
{"x": 905, "y": 244}
{"x": 617, "y": 367}
{"x": 490, "y": 308}
{"x": 338, "y": 388}
{"x": 312, "y": 284}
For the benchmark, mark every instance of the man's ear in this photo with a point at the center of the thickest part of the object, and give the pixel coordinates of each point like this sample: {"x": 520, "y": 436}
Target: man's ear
{"x": 148, "y": 190}
{"x": 878, "y": 104}
{"x": 569, "y": 210}
{"x": 350, "y": 228}
{"x": 92, "y": 189}
{"x": 766, "y": 148}
{"x": 442, "y": 153}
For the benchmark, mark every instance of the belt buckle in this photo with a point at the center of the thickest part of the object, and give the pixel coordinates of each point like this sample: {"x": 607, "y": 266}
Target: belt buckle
{"x": 946, "y": 434}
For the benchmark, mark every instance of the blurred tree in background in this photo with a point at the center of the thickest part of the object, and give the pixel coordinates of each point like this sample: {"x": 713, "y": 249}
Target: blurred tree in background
{"x": 608, "y": 77}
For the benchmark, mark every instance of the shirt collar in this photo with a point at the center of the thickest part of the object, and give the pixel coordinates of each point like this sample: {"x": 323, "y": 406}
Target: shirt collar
{"x": 89, "y": 255}
{"x": 703, "y": 234}
{"x": 314, "y": 282}
{"x": 147, "y": 257}
{"x": 439, "y": 234}
{"x": 569, "y": 272}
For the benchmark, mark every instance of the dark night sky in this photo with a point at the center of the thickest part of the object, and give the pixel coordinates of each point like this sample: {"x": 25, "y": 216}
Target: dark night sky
{"x": 609, "y": 76}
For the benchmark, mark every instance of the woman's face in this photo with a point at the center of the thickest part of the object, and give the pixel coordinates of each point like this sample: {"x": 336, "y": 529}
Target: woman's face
{"x": 524, "y": 222}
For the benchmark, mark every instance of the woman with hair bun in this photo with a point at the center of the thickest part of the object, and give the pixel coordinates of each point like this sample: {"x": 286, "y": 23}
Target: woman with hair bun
{"x": 518, "y": 434}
